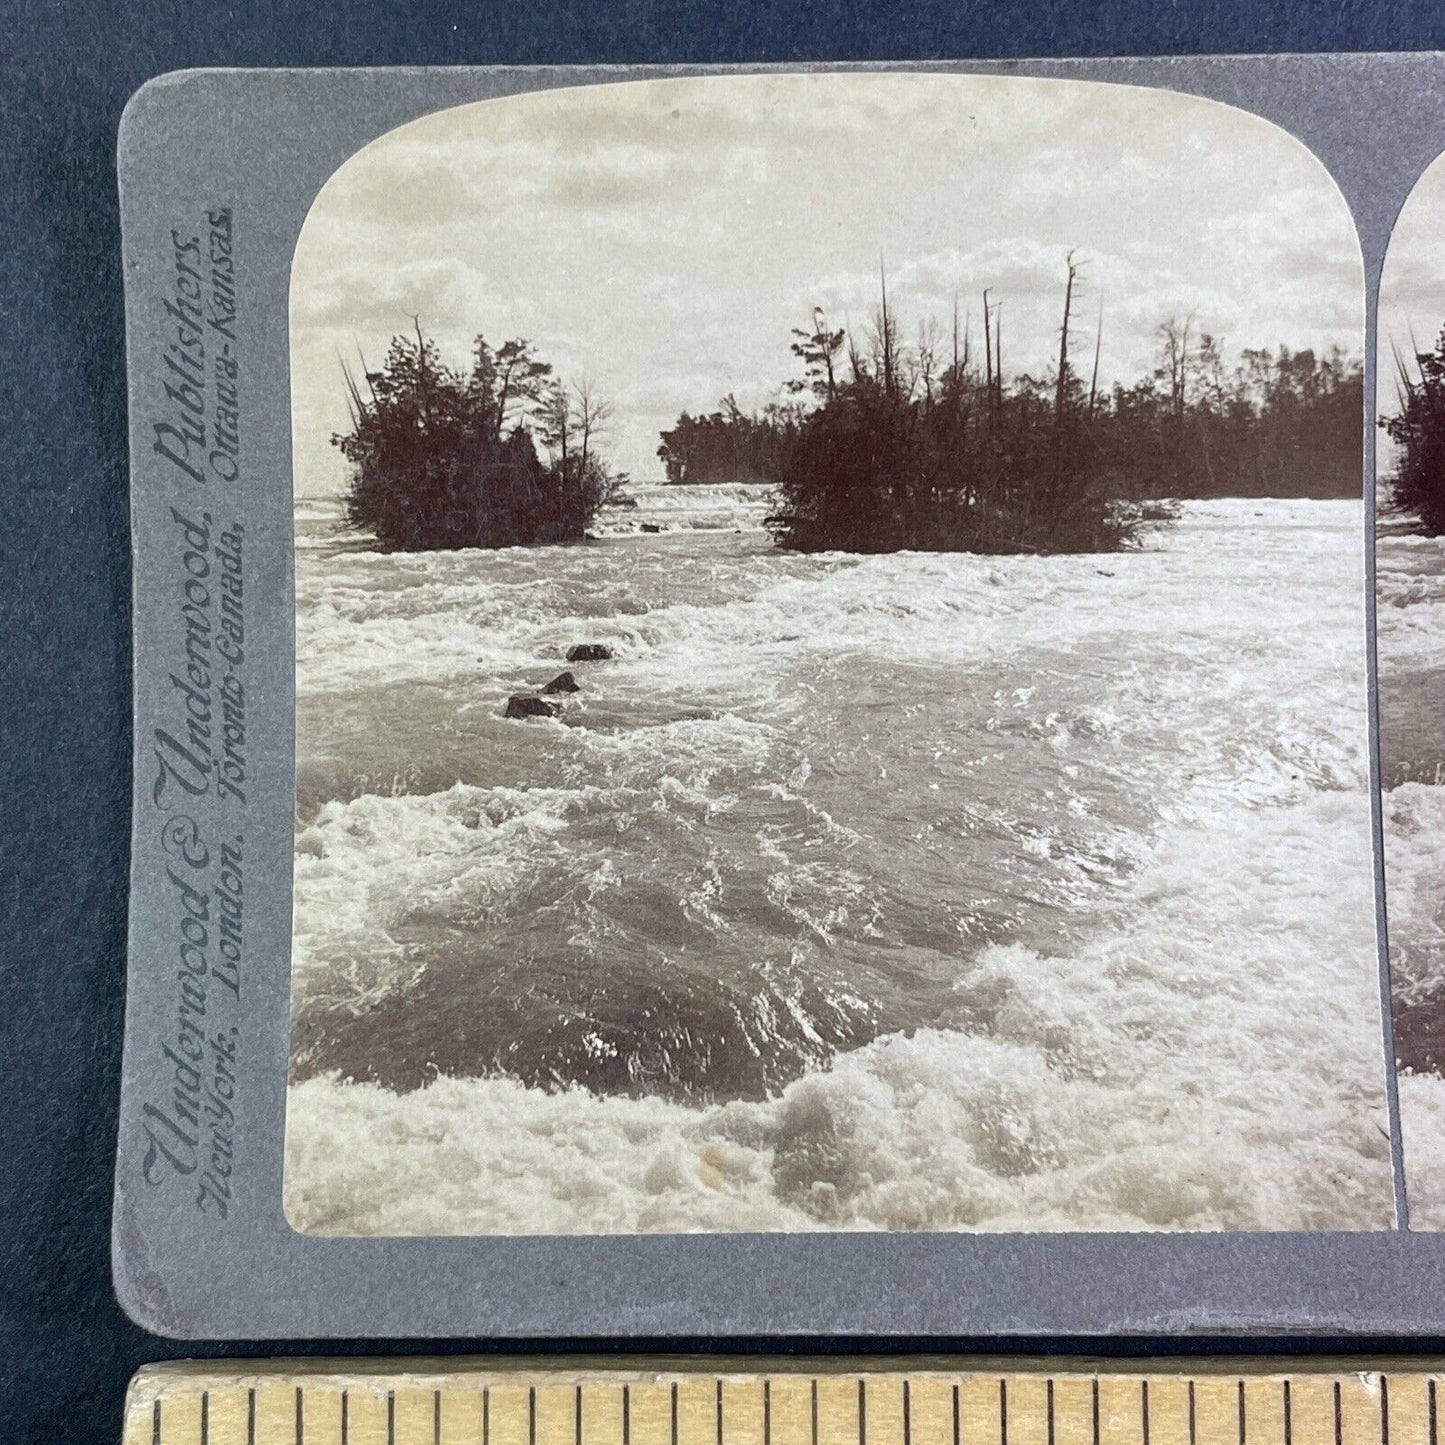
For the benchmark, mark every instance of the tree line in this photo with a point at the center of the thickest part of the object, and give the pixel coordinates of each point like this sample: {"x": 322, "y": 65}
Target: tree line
{"x": 1417, "y": 482}
{"x": 731, "y": 445}
{"x": 882, "y": 443}
{"x": 444, "y": 457}
{"x": 930, "y": 443}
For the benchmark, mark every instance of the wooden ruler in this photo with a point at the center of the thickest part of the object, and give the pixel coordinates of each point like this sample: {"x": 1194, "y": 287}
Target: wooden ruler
{"x": 772, "y": 1401}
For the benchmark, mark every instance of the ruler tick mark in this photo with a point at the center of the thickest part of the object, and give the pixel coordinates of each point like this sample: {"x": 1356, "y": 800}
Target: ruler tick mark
{"x": 1066, "y": 1416}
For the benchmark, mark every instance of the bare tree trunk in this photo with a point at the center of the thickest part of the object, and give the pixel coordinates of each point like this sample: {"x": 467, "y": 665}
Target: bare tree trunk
{"x": 1061, "y": 390}
{"x": 887, "y": 330}
{"x": 503, "y": 397}
{"x": 987, "y": 348}
{"x": 421, "y": 372}
{"x": 1061, "y": 387}
{"x": 998, "y": 360}
{"x": 1098, "y": 343}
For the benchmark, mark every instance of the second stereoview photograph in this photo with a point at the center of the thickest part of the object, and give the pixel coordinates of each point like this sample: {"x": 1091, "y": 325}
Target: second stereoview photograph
{"x": 1410, "y": 623}
{"x": 831, "y": 685}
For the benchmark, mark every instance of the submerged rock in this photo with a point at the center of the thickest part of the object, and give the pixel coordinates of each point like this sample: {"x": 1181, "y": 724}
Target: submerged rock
{"x": 523, "y": 704}
{"x": 563, "y": 682}
{"x": 651, "y": 527}
{"x": 589, "y": 652}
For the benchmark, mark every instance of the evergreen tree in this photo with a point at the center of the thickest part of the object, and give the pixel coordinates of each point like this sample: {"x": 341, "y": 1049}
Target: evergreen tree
{"x": 1418, "y": 483}
{"x": 445, "y": 459}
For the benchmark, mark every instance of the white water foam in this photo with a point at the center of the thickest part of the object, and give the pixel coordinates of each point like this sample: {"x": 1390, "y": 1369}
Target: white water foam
{"x": 1422, "y": 1113}
{"x": 717, "y": 506}
{"x": 1414, "y": 825}
{"x": 1410, "y": 591}
{"x": 1150, "y": 766}
{"x": 1213, "y": 1063}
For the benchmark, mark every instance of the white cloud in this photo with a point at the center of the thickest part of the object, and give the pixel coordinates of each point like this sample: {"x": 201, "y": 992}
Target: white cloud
{"x": 665, "y": 237}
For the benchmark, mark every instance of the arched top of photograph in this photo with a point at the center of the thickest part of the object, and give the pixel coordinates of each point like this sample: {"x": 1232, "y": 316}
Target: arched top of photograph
{"x": 907, "y": 310}
{"x": 1410, "y": 373}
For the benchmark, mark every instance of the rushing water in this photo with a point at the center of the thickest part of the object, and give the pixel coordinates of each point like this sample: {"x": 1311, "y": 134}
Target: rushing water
{"x": 909, "y": 891}
{"x": 1410, "y": 587}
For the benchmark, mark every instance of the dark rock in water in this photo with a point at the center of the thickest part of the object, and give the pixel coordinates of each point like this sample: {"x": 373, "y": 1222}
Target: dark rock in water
{"x": 522, "y": 704}
{"x": 651, "y": 527}
{"x": 563, "y": 682}
{"x": 589, "y": 652}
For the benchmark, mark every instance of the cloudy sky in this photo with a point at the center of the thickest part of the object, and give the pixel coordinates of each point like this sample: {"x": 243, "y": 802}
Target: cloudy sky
{"x": 1412, "y": 285}
{"x": 662, "y": 238}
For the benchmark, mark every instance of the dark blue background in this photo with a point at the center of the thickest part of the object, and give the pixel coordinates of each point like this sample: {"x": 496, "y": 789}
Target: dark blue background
{"x": 66, "y": 1351}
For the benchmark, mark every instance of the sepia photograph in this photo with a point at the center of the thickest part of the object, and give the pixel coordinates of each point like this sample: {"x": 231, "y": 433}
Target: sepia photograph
{"x": 1410, "y": 637}
{"x": 831, "y": 675}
